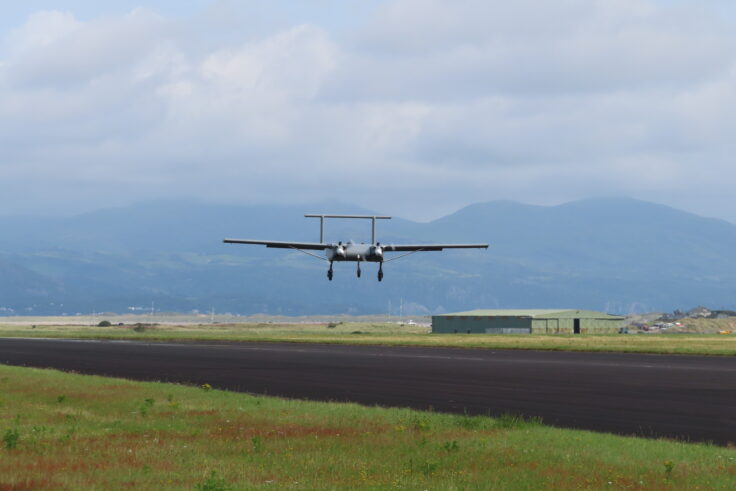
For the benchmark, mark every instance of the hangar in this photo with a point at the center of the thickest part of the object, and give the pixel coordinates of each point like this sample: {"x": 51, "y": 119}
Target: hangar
{"x": 528, "y": 321}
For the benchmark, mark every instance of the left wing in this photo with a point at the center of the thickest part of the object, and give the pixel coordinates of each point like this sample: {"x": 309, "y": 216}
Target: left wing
{"x": 315, "y": 246}
{"x": 431, "y": 247}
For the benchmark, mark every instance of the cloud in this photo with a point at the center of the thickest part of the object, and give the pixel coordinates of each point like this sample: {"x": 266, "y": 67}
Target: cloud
{"x": 427, "y": 106}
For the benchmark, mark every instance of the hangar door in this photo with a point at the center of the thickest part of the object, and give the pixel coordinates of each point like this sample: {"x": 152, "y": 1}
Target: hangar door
{"x": 508, "y": 325}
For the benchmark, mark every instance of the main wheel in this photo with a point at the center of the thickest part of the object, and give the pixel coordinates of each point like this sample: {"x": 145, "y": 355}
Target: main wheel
{"x": 358, "y": 273}
{"x": 329, "y": 275}
{"x": 380, "y": 275}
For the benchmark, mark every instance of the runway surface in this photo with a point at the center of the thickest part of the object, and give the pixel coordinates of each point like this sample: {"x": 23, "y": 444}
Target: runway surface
{"x": 685, "y": 397}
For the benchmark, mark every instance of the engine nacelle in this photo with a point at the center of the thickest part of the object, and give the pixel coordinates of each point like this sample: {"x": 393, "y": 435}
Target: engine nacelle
{"x": 340, "y": 252}
{"x": 377, "y": 252}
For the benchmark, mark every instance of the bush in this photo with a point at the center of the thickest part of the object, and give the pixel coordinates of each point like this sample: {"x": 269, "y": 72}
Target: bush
{"x": 10, "y": 439}
{"x": 104, "y": 324}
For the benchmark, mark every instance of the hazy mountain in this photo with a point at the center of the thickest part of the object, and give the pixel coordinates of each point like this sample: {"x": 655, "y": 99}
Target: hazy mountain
{"x": 617, "y": 255}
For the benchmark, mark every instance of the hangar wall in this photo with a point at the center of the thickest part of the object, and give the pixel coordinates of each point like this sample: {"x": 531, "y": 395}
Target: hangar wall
{"x": 567, "y": 326}
{"x": 481, "y": 324}
{"x": 526, "y": 322}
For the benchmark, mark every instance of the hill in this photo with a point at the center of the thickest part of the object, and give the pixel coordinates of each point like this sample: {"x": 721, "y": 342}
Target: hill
{"x": 616, "y": 255}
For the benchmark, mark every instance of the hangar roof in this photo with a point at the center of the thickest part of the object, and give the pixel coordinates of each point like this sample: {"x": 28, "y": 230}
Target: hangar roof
{"x": 536, "y": 313}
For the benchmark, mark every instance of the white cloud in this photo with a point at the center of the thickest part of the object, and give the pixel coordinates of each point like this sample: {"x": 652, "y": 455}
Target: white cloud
{"x": 429, "y": 106}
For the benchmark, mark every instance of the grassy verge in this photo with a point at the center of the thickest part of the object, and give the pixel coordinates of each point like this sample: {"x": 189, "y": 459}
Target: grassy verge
{"x": 390, "y": 334}
{"x": 82, "y": 432}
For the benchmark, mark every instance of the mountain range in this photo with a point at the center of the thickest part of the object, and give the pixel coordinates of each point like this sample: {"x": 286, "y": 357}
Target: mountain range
{"x": 617, "y": 255}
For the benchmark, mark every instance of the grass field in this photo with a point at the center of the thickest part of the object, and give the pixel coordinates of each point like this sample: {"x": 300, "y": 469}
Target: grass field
{"x": 390, "y": 334}
{"x": 67, "y": 431}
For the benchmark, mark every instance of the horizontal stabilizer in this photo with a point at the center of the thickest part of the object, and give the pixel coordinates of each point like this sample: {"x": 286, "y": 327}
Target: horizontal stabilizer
{"x": 372, "y": 217}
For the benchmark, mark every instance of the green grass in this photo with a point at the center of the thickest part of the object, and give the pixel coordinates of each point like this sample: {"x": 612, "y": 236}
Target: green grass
{"x": 83, "y": 432}
{"x": 391, "y": 334}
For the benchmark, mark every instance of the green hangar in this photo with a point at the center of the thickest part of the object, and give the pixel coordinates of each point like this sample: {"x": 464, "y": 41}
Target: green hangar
{"x": 537, "y": 321}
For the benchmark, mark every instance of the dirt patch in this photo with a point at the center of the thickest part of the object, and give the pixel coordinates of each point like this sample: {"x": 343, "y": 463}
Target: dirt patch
{"x": 193, "y": 412}
{"x": 30, "y": 484}
{"x": 245, "y": 430}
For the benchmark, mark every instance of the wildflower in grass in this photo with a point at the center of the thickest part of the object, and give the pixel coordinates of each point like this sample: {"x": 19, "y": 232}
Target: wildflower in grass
{"x": 669, "y": 466}
{"x": 35, "y": 429}
{"x": 206, "y": 387}
{"x": 213, "y": 482}
{"x": 421, "y": 425}
{"x": 512, "y": 421}
{"x": 147, "y": 404}
{"x": 470, "y": 422}
{"x": 451, "y": 446}
{"x": 10, "y": 438}
{"x": 428, "y": 468}
{"x": 257, "y": 443}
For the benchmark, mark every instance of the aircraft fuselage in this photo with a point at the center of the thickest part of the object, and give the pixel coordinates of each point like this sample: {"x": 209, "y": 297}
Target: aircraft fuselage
{"x": 355, "y": 252}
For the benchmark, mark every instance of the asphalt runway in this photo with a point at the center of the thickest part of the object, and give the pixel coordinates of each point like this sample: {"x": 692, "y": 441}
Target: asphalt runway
{"x": 684, "y": 397}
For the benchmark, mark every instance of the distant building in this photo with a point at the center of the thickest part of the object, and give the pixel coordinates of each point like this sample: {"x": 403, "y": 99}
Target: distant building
{"x": 699, "y": 311}
{"x": 527, "y": 321}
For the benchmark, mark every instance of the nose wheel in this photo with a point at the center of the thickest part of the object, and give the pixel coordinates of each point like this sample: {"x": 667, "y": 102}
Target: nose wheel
{"x": 380, "y": 272}
{"x": 329, "y": 272}
{"x": 358, "y": 269}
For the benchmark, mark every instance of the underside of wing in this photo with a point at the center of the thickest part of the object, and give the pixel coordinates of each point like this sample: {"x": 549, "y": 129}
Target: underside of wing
{"x": 431, "y": 247}
{"x": 316, "y": 246}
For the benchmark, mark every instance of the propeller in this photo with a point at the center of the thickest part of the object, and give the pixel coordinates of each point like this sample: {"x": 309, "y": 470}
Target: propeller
{"x": 377, "y": 250}
{"x": 340, "y": 250}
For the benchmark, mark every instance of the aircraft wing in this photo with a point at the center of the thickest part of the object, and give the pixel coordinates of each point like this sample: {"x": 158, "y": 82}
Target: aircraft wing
{"x": 431, "y": 247}
{"x": 316, "y": 246}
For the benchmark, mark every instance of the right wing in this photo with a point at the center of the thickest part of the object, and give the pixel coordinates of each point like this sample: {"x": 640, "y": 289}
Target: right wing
{"x": 430, "y": 247}
{"x": 316, "y": 246}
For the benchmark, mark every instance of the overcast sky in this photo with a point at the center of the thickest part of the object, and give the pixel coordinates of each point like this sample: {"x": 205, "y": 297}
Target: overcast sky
{"x": 409, "y": 107}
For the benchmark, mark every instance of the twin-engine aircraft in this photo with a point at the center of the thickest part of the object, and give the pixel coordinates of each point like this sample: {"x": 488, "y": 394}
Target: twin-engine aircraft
{"x": 349, "y": 251}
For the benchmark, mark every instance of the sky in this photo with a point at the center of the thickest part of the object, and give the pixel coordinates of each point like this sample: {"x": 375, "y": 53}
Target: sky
{"x": 413, "y": 108}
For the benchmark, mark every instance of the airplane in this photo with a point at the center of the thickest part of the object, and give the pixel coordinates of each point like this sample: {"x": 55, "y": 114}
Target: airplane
{"x": 349, "y": 251}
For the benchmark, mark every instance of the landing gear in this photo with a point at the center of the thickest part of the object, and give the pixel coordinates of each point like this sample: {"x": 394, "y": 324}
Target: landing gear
{"x": 329, "y": 272}
{"x": 358, "y": 269}
{"x": 380, "y": 272}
